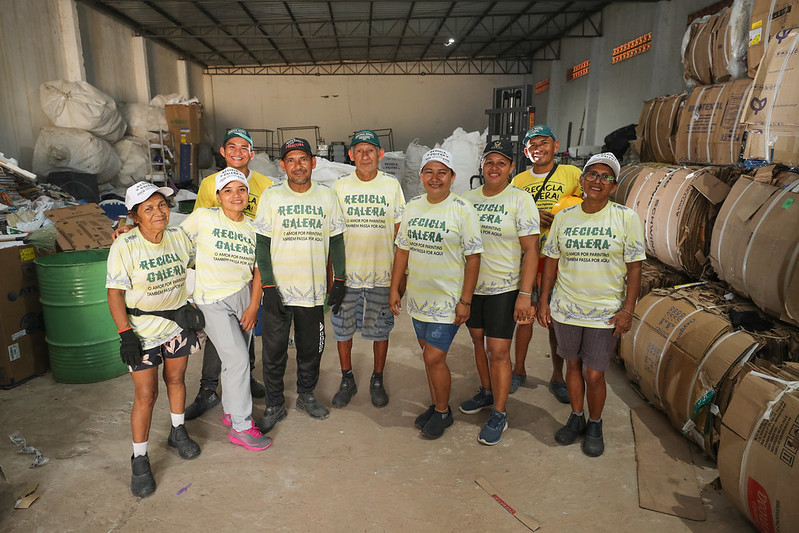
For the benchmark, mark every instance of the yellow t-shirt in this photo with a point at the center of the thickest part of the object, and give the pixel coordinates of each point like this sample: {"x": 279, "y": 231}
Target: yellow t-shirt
{"x": 565, "y": 181}
{"x": 438, "y": 238}
{"x": 593, "y": 250}
{"x": 503, "y": 219}
{"x": 206, "y": 194}
{"x": 370, "y": 209}
{"x": 300, "y": 226}
{"x": 153, "y": 277}
{"x": 225, "y": 253}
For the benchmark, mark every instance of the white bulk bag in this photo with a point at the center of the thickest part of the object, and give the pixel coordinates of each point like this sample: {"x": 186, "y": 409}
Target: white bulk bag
{"x": 77, "y": 104}
{"x": 71, "y": 149}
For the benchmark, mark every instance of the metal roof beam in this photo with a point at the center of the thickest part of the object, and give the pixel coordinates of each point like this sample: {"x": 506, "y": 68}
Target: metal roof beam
{"x": 262, "y": 30}
{"x": 299, "y": 30}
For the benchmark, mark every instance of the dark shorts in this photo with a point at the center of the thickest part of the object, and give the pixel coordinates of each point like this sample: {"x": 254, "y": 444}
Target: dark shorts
{"x": 436, "y": 335}
{"x": 494, "y": 314}
{"x": 591, "y": 345}
{"x": 181, "y": 345}
{"x": 364, "y": 310}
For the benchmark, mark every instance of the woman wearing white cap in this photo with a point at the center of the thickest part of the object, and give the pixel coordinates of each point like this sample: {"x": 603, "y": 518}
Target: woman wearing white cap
{"x": 228, "y": 291}
{"x": 439, "y": 245}
{"x": 594, "y": 246}
{"x": 147, "y": 270}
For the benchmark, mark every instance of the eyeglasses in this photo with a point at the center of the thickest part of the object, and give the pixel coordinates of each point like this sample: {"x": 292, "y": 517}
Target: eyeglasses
{"x": 590, "y": 175}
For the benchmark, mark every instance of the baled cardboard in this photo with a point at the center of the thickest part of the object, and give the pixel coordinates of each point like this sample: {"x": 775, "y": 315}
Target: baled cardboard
{"x": 657, "y": 127}
{"x": 771, "y": 117}
{"x": 710, "y": 128}
{"x": 81, "y": 227}
{"x": 24, "y": 350}
{"x": 769, "y": 17}
{"x": 185, "y": 117}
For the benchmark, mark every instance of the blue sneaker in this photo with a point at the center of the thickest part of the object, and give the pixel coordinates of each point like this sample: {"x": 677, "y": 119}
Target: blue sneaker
{"x": 484, "y": 399}
{"x": 492, "y": 430}
{"x": 516, "y": 381}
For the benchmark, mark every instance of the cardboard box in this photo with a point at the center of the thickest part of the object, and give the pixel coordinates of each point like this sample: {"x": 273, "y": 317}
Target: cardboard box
{"x": 181, "y": 117}
{"x": 657, "y": 127}
{"x": 750, "y": 248}
{"x": 758, "y": 458}
{"x": 24, "y": 352}
{"x": 771, "y": 117}
{"x": 769, "y": 17}
{"x": 710, "y": 129}
{"x": 81, "y": 227}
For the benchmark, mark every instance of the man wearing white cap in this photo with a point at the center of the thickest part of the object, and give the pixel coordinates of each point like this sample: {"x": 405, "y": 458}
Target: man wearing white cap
{"x": 597, "y": 246}
{"x": 372, "y": 204}
{"x": 237, "y": 149}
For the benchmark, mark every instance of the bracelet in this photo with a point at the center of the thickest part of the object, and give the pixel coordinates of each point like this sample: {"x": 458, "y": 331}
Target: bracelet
{"x": 464, "y": 302}
{"x": 626, "y": 311}
{"x": 124, "y": 330}
{"x": 526, "y": 293}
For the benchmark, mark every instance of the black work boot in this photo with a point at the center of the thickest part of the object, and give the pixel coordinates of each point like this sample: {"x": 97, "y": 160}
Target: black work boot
{"x": 272, "y": 415}
{"x": 377, "y": 390}
{"x": 179, "y": 438}
{"x": 257, "y": 388}
{"x": 306, "y": 402}
{"x": 205, "y": 399}
{"x": 574, "y": 427}
{"x": 142, "y": 482}
{"x": 346, "y": 391}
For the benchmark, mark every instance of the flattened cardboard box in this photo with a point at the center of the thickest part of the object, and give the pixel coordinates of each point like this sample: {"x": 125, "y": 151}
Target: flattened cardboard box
{"x": 81, "y": 227}
{"x": 24, "y": 350}
{"x": 769, "y": 17}
{"x": 759, "y": 453}
{"x": 190, "y": 117}
{"x": 771, "y": 117}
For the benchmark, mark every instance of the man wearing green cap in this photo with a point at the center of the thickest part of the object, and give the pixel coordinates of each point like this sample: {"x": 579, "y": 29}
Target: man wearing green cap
{"x": 237, "y": 149}
{"x": 372, "y": 204}
{"x": 547, "y": 182}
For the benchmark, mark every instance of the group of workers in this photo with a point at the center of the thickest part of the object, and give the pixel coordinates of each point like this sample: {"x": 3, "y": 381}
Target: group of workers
{"x": 495, "y": 259}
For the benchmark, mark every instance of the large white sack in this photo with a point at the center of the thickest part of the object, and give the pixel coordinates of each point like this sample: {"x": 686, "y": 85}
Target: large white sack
{"x": 326, "y": 172}
{"x": 143, "y": 119}
{"x": 77, "y": 104}
{"x": 135, "y": 156}
{"x": 71, "y": 149}
{"x": 161, "y": 100}
{"x": 263, "y": 165}
{"x": 466, "y": 149}
{"x": 411, "y": 183}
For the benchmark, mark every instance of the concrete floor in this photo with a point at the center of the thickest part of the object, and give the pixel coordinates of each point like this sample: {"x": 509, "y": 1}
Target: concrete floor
{"x": 362, "y": 469}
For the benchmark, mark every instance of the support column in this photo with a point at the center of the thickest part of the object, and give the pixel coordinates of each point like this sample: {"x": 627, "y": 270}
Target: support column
{"x": 74, "y": 69}
{"x": 183, "y": 78}
{"x": 140, "y": 69}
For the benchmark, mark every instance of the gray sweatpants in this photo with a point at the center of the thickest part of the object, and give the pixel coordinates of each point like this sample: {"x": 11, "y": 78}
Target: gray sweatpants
{"x": 222, "y": 327}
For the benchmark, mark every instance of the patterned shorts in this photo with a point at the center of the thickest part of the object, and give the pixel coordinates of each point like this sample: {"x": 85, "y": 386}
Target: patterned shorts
{"x": 364, "y": 310}
{"x": 181, "y": 345}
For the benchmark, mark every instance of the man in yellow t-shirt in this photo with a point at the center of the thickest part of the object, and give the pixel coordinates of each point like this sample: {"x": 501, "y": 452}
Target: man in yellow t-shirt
{"x": 547, "y": 182}
{"x": 237, "y": 149}
{"x": 372, "y": 204}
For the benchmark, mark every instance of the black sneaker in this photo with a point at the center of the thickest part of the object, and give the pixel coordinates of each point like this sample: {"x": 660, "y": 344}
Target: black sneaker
{"x": 492, "y": 430}
{"x": 593, "y": 444}
{"x": 377, "y": 390}
{"x": 437, "y": 424}
{"x": 179, "y": 438}
{"x": 422, "y": 419}
{"x": 142, "y": 482}
{"x": 205, "y": 399}
{"x": 306, "y": 402}
{"x": 484, "y": 399}
{"x": 574, "y": 427}
{"x": 257, "y": 388}
{"x": 272, "y": 415}
{"x": 346, "y": 391}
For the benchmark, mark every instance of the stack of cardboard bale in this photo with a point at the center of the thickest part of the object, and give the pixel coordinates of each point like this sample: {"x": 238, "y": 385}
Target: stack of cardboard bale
{"x": 719, "y": 200}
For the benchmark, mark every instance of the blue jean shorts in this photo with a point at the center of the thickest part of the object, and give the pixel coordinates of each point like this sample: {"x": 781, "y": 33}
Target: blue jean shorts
{"x": 436, "y": 335}
{"x": 364, "y": 310}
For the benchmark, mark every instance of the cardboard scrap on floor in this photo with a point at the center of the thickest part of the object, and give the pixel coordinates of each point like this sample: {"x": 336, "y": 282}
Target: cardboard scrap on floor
{"x": 529, "y": 522}
{"x": 27, "y": 497}
{"x": 666, "y": 478}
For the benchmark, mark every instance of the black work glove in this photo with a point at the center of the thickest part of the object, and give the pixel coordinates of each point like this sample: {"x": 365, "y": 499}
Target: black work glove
{"x": 272, "y": 300}
{"x": 336, "y": 295}
{"x": 130, "y": 349}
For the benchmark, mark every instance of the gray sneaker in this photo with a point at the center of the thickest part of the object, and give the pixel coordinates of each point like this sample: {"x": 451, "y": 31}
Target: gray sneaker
{"x": 272, "y": 415}
{"x": 251, "y": 438}
{"x": 484, "y": 399}
{"x": 346, "y": 391}
{"x": 492, "y": 430}
{"x": 306, "y": 402}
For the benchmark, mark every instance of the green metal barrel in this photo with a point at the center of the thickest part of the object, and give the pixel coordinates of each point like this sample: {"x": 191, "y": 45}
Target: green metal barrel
{"x": 82, "y": 337}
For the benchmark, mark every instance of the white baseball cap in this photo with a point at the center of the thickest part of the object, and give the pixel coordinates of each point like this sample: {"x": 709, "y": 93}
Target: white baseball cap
{"x": 141, "y": 191}
{"x": 229, "y": 174}
{"x": 606, "y": 158}
{"x": 437, "y": 154}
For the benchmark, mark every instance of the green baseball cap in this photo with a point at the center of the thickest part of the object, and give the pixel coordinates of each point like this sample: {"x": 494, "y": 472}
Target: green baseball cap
{"x": 539, "y": 131}
{"x": 365, "y": 136}
{"x": 238, "y": 132}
